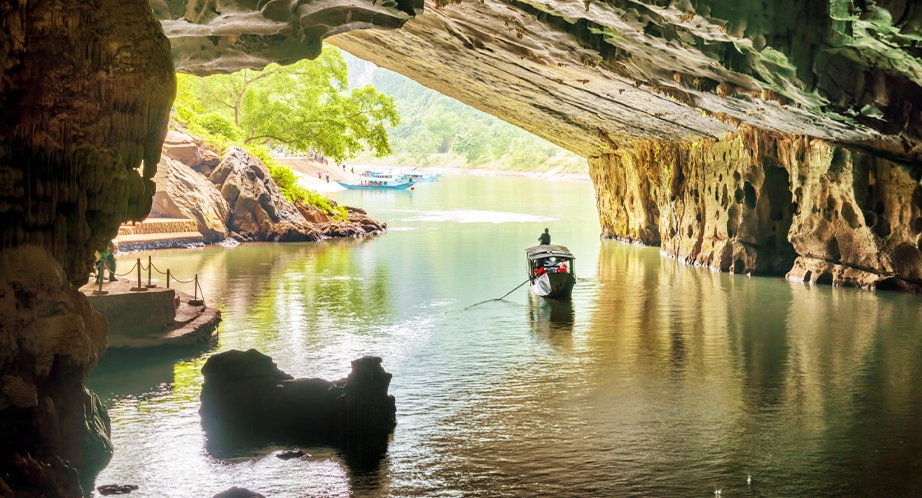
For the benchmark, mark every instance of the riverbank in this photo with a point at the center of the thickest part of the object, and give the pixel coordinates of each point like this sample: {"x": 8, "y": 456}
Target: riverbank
{"x": 306, "y": 170}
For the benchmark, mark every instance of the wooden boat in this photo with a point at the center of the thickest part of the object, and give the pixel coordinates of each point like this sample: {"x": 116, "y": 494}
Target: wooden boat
{"x": 551, "y": 271}
{"x": 379, "y": 181}
{"x": 417, "y": 177}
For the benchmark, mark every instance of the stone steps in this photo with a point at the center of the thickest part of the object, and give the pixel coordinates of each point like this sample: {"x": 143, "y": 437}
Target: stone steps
{"x": 151, "y": 241}
{"x": 159, "y": 225}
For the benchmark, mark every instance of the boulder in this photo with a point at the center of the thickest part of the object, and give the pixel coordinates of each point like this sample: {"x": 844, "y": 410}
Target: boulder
{"x": 183, "y": 148}
{"x": 183, "y": 193}
{"x": 258, "y": 209}
{"x": 236, "y": 492}
{"x": 247, "y": 399}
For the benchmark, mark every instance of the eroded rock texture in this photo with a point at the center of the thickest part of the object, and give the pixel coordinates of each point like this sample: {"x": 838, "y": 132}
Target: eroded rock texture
{"x": 759, "y": 202}
{"x": 258, "y": 209}
{"x": 184, "y": 193}
{"x": 51, "y": 427}
{"x": 85, "y": 93}
{"x": 218, "y": 37}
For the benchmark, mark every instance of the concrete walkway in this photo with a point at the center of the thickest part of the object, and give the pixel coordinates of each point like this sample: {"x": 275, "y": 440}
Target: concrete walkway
{"x": 156, "y": 317}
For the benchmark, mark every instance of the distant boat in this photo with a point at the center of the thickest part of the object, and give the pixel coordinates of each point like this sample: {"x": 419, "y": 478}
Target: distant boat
{"x": 379, "y": 181}
{"x": 416, "y": 177}
{"x": 551, "y": 271}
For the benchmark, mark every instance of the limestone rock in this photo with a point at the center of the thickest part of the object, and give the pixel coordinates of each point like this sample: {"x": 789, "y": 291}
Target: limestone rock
{"x": 768, "y": 203}
{"x": 183, "y": 193}
{"x": 181, "y": 147}
{"x": 236, "y": 492}
{"x": 85, "y": 95}
{"x": 49, "y": 342}
{"x": 241, "y": 34}
{"x": 258, "y": 209}
{"x": 246, "y": 398}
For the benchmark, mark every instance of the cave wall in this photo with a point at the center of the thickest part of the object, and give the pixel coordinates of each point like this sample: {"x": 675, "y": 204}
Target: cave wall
{"x": 768, "y": 203}
{"x": 85, "y": 94}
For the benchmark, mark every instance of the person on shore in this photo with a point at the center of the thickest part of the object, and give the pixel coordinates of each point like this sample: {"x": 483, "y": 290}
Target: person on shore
{"x": 110, "y": 259}
{"x": 545, "y": 238}
{"x": 318, "y": 174}
{"x": 344, "y": 167}
{"x": 328, "y": 178}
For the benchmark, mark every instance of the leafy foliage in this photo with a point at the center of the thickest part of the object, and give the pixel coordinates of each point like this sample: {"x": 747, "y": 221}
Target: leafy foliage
{"x": 295, "y": 107}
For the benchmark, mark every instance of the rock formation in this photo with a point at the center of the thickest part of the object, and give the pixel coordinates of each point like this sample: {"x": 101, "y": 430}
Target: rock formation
{"x": 246, "y": 399}
{"x": 210, "y": 38}
{"x": 51, "y": 427}
{"x": 258, "y": 209}
{"x": 85, "y": 94}
{"x": 185, "y": 193}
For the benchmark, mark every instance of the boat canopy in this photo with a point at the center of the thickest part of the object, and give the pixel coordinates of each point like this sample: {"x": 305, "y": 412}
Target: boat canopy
{"x": 547, "y": 251}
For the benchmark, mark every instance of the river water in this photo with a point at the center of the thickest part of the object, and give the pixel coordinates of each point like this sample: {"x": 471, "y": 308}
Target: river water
{"x": 659, "y": 379}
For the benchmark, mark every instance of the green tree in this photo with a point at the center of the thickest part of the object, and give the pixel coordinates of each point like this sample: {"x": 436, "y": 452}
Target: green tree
{"x": 443, "y": 125}
{"x": 304, "y": 105}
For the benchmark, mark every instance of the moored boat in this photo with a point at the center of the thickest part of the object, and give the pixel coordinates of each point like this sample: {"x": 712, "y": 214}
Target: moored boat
{"x": 379, "y": 181}
{"x": 419, "y": 178}
{"x": 551, "y": 271}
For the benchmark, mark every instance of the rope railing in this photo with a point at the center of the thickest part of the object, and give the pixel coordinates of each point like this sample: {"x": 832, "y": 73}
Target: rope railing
{"x": 197, "y": 289}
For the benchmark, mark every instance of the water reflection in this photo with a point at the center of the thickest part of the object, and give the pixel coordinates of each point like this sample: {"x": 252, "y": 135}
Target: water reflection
{"x": 660, "y": 380}
{"x": 552, "y": 319}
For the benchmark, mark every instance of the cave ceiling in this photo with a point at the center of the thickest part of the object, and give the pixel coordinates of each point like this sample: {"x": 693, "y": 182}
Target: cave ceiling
{"x": 593, "y": 76}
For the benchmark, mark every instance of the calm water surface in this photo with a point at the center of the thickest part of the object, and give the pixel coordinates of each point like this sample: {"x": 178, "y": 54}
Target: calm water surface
{"x": 659, "y": 380}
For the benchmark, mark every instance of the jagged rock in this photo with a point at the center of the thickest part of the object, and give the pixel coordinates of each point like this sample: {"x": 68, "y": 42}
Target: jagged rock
{"x": 258, "y": 209}
{"x": 236, "y": 492}
{"x": 49, "y": 342}
{"x": 183, "y": 148}
{"x": 313, "y": 214}
{"x": 183, "y": 193}
{"x": 245, "y": 397}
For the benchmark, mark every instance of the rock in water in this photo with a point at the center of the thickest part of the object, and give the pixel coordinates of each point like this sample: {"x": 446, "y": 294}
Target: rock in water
{"x": 288, "y": 455}
{"x": 116, "y": 489}
{"x": 236, "y": 492}
{"x": 247, "y": 399}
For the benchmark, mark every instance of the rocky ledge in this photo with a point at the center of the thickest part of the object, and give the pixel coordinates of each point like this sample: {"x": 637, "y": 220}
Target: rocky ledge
{"x": 247, "y": 400}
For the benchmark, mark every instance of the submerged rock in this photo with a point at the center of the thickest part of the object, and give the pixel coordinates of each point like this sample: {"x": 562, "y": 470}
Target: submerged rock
{"x": 288, "y": 455}
{"x": 247, "y": 399}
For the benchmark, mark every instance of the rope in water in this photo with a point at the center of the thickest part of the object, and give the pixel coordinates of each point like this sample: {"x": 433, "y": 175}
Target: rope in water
{"x": 499, "y": 298}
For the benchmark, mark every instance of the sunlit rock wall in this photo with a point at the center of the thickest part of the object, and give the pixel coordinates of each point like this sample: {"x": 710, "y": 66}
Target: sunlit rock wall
{"x": 220, "y": 37}
{"x": 768, "y": 203}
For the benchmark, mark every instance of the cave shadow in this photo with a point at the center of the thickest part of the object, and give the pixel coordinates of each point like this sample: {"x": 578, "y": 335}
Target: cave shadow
{"x": 134, "y": 372}
{"x": 364, "y": 458}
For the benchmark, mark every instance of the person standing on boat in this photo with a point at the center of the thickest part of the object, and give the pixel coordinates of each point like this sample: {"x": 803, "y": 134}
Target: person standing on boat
{"x": 545, "y": 238}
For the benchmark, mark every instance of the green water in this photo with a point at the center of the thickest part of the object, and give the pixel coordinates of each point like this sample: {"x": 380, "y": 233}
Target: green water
{"x": 658, "y": 379}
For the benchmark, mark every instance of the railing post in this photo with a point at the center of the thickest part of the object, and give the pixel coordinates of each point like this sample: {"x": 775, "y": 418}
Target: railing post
{"x": 196, "y": 286}
{"x": 99, "y": 291}
{"x": 148, "y": 272}
{"x": 167, "y": 278}
{"x": 139, "y": 288}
